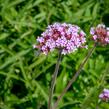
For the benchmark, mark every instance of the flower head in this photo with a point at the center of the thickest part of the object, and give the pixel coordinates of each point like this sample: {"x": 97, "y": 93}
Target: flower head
{"x": 61, "y": 36}
{"x": 104, "y": 95}
{"x": 100, "y": 34}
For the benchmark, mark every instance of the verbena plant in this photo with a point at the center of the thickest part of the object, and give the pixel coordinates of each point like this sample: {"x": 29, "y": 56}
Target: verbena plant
{"x": 67, "y": 38}
{"x": 25, "y": 77}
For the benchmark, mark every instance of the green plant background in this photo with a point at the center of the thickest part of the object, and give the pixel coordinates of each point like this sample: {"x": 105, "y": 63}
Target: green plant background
{"x": 25, "y": 77}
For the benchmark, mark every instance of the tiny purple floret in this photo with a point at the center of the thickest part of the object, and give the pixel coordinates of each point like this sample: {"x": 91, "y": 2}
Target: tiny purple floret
{"x": 104, "y": 95}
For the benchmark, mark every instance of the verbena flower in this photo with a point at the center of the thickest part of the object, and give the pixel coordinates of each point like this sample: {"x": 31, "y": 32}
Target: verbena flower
{"x": 104, "y": 95}
{"x": 100, "y": 34}
{"x": 61, "y": 36}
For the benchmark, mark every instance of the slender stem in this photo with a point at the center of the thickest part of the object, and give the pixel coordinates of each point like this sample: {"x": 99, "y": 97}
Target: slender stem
{"x": 97, "y": 107}
{"x": 74, "y": 77}
{"x": 53, "y": 79}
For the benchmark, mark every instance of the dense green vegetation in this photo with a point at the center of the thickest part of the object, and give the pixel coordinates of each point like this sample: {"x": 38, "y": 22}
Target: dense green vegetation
{"x": 25, "y": 77}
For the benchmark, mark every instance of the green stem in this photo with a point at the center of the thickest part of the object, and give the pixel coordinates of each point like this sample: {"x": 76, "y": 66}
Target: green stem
{"x": 54, "y": 79}
{"x": 74, "y": 77}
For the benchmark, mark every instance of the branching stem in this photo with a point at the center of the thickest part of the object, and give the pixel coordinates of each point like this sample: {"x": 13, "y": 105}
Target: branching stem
{"x": 74, "y": 77}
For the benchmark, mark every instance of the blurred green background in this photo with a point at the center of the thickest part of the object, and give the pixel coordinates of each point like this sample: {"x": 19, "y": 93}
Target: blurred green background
{"x": 25, "y": 77}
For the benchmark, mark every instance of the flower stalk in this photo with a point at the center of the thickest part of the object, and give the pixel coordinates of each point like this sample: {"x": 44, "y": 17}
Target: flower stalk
{"x": 74, "y": 77}
{"x": 54, "y": 79}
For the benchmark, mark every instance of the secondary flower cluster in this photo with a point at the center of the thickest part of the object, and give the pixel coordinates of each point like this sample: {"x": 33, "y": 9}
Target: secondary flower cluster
{"x": 61, "y": 36}
{"x": 100, "y": 34}
{"x": 104, "y": 95}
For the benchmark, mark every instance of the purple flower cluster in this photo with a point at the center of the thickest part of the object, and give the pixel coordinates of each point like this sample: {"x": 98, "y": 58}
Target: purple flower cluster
{"x": 61, "y": 36}
{"x": 104, "y": 95}
{"x": 100, "y": 34}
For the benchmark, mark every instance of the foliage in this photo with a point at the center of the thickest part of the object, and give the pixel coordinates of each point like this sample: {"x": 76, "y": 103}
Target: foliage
{"x": 25, "y": 77}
